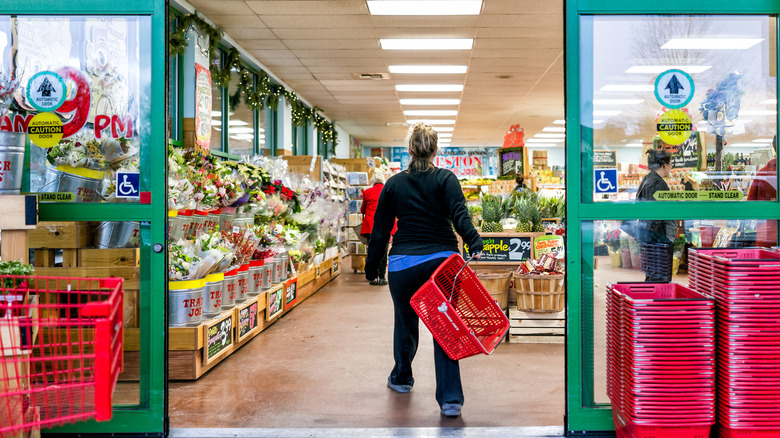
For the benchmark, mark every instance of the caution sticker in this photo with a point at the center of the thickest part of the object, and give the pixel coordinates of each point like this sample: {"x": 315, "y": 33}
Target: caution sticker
{"x": 45, "y": 130}
{"x": 674, "y": 127}
{"x": 46, "y": 91}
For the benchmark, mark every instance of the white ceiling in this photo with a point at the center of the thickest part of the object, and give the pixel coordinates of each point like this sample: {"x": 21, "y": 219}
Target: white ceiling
{"x": 515, "y": 68}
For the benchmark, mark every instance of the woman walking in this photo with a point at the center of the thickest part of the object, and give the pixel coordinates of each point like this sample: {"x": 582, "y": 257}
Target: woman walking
{"x": 427, "y": 202}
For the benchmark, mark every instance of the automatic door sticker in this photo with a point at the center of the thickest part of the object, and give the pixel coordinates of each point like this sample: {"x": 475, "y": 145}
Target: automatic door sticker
{"x": 674, "y": 88}
{"x": 674, "y": 126}
{"x": 46, "y": 91}
{"x": 45, "y": 130}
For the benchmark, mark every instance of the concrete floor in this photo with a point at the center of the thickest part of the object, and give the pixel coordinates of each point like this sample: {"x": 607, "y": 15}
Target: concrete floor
{"x": 325, "y": 365}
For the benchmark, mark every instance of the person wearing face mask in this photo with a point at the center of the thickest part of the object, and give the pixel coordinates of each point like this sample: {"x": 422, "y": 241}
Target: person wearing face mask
{"x": 660, "y": 233}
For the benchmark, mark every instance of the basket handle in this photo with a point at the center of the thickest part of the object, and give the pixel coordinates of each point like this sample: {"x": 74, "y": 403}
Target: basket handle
{"x": 454, "y": 279}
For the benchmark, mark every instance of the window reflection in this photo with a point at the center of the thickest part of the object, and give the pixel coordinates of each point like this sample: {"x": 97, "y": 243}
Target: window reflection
{"x": 241, "y": 132}
{"x": 701, "y": 88}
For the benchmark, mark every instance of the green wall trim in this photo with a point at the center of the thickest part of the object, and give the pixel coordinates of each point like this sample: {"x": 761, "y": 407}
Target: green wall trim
{"x": 683, "y": 7}
{"x": 83, "y": 7}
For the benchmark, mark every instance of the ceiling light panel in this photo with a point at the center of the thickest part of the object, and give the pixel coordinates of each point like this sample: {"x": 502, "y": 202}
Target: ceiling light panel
{"x": 442, "y": 113}
{"x": 428, "y": 69}
{"x": 559, "y": 122}
{"x": 550, "y": 136}
{"x": 711, "y": 43}
{"x": 445, "y": 135}
{"x": 429, "y": 87}
{"x": 692, "y": 69}
{"x": 627, "y": 87}
{"x": 606, "y": 113}
{"x": 450, "y": 129}
{"x": 409, "y": 7}
{"x": 554, "y": 129}
{"x": 432, "y": 121}
{"x": 769, "y": 102}
{"x": 430, "y": 101}
{"x": 545, "y": 140}
{"x": 426, "y": 43}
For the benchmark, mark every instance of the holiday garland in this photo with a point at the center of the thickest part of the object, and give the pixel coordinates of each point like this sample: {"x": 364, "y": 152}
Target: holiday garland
{"x": 266, "y": 92}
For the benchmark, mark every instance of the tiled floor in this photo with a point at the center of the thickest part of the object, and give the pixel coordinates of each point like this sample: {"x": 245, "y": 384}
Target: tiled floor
{"x": 323, "y": 367}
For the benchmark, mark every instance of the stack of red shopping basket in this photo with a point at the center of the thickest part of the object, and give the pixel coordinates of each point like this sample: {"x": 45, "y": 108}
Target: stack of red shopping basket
{"x": 660, "y": 360}
{"x": 746, "y": 286}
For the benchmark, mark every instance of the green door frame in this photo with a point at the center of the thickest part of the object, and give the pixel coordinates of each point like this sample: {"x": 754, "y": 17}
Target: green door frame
{"x": 581, "y": 415}
{"x": 149, "y": 416}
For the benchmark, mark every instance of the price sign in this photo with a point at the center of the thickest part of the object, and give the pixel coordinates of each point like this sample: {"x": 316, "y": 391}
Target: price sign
{"x": 604, "y": 158}
{"x": 219, "y": 338}
{"x": 504, "y": 248}
{"x": 274, "y": 306}
{"x": 247, "y": 320}
{"x": 291, "y": 293}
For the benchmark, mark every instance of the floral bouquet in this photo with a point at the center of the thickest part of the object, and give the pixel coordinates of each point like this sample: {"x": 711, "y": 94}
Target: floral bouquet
{"x": 182, "y": 262}
{"x": 612, "y": 239}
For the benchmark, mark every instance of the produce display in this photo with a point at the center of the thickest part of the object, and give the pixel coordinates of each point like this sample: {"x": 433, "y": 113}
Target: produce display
{"x": 522, "y": 212}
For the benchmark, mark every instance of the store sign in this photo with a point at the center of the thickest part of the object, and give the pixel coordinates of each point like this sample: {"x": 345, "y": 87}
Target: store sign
{"x": 219, "y": 337}
{"x": 674, "y": 88}
{"x": 202, "y": 107}
{"x": 504, "y": 248}
{"x": 604, "y": 158}
{"x": 291, "y": 293}
{"x": 688, "y": 154}
{"x": 463, "y": 162}
{"x": 674, "y": 126}
{"x": 711, "y": 195}
{"x": 605, "y": 181}
{"x": 247, "y": 320}
{"x": 548, "y": 244}
{"x": 512, "y": 162}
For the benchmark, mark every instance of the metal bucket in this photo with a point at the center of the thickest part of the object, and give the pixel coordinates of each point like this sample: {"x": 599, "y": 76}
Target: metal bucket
{"x": 276, "y": 275}
{"x": 175, "y": 229}
{"x": 255, "y": 277}
{"x": 11, "y": 162}
{"x": 199, "y": 219}
{"x": 268, "y": 273}
{"x": 85, "y": 189}
{"x": 185, "y": 218}
{"x": 212, "y": 221}
{"x": 185, "y": 302}
{"x": 212, "y": 295}
{"x": 226, "y": 220}
{"x": 242, "y": 290}
{"x": 229, "y": 286}
{"x": 112, "y": 234}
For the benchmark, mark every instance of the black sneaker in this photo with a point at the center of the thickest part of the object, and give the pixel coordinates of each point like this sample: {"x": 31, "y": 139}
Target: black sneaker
{"x": 382, "y": 282}
{"x": 403, "y": 389}
{"x": 451, "y": 409}
{"x": 374, "y": 282}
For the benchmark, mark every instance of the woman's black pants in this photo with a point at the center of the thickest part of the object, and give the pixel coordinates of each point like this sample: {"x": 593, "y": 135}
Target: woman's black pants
{"x": 403, "y": 284}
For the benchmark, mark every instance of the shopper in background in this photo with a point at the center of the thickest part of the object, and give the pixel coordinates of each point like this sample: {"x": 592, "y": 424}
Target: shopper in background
{"x": 370, "y": 199}
{"x": 660, "y": 233}
{"x": 428, "y": 202}
{"x": 520, "y": 180}
{"x": 764, "y": 188}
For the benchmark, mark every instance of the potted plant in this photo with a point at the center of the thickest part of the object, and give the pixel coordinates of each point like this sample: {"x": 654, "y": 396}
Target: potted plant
{"x": 612, "y": 240}
{"x": 679, "y": 249}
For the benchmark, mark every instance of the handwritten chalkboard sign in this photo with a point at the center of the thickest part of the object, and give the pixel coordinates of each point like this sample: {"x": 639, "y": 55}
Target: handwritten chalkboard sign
{"x": 604, "y": 159}
{"x": 219, "y": 338}
{"x": 247, "y": 320}
{"x": 336, "y": 265}
{"x": 511, "y": 161}
{"x": 291, "y": 293}
{"x": 509, "y": 248}
{"x": 275, "y": 302}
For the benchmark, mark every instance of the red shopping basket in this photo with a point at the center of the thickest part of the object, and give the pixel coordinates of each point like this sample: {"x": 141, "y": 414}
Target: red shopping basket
{"x": 460, "y": 314}
{"x": 60, "y": 350}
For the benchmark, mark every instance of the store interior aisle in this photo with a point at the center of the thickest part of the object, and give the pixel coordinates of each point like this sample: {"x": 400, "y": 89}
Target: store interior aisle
{"x": 325, "y": 364}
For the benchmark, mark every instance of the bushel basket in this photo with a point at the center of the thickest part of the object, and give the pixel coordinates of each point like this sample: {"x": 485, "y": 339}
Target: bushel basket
{"x": 460, "y": 314}
{"x": 540, "y": 293}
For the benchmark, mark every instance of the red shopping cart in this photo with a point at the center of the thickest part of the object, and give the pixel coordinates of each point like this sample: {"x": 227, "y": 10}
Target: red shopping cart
{"x": 60, "y": 350}
{"x": 460, "y": 314}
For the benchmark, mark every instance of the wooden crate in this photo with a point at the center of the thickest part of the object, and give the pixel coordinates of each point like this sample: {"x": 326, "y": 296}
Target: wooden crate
{"x": 305, "y": 165}
{"x": 305, "y": 277}
{"x": 91, "y": 257}
{"x": 61, "y": 235}
{"x": 535, "y": 328}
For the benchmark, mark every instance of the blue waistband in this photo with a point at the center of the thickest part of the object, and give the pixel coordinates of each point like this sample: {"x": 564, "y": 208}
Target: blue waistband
{"x": 400, "y": 262}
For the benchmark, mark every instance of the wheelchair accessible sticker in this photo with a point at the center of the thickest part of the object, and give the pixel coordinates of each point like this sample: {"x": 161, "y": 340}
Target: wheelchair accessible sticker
{"x": 128, "y": 185}
{"x": 605, "y": 181}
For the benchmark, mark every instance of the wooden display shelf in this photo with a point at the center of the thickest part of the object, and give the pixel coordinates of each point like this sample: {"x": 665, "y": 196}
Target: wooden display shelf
{"x": 536, "y": 328}
{"x": 185, "y": 344}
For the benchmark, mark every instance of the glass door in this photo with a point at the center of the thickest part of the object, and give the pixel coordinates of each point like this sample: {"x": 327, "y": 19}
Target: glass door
{"x": 88, "y": 78}
{"x": 672, "y": 126}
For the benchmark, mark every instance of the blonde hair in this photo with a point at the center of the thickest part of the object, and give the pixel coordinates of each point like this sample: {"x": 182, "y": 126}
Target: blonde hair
{"x": 423, "y": 143}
